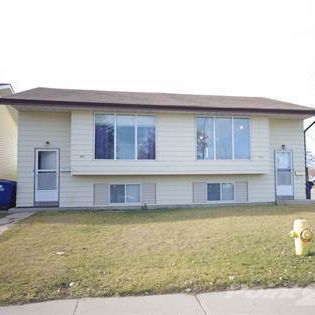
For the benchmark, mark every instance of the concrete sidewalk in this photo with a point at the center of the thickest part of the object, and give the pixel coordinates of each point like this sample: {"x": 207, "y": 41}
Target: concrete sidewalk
{"x": 11, "y": 219}
{"x": 245, "y": 302}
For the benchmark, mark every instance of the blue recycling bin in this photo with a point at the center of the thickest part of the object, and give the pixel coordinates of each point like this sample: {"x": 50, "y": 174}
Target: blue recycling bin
{"x": 7, "y": 194}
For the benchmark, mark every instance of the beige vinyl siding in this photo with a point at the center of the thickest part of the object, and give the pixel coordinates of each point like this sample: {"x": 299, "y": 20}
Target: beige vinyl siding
{"x": 241, "y": 191}
{"x": 101, "y": 194}
{"x": 175, "y": 146}
{"x": 290, "y": 133}
{"x": 78, "y": 191}
{"x": 199, "y": 193}
{"x": 8, "y": 142}
{"x": 36, "y": 128}
{"x": 148, "y": 193}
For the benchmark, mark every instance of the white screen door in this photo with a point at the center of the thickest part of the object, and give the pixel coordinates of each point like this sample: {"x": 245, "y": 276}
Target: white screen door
{"x": 284, "y": 174}
{"x": 47, "y": 177}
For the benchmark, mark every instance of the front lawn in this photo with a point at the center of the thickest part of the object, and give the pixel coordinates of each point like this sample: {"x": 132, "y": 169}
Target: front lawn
{"x": 75, "y": 254}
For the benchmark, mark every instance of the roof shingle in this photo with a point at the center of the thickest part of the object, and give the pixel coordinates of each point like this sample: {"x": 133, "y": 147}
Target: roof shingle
{"x": 160, "y": 100}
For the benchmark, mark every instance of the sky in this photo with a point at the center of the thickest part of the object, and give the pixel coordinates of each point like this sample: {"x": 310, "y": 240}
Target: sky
{"x": 223, "y": 47}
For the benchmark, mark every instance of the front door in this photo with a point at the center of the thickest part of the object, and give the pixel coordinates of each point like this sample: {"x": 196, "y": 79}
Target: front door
{"x": 284, "y": 174}
{"x": 46, "y": 177}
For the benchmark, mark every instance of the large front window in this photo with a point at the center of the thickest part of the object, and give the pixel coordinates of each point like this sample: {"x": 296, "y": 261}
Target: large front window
{"x": 125, "y": 137}
{"x": 223, "y": 138}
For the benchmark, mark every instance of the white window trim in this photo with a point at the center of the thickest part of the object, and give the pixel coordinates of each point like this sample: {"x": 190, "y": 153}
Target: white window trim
{"x": 221, "y": 200}
{"x": 125, "y": 203}
{"x": 214, "y": 146}
{"x": 115, "y": 138}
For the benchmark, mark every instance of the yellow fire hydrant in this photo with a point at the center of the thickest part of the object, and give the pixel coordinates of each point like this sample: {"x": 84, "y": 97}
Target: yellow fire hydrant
{"x": 303, "y": 236}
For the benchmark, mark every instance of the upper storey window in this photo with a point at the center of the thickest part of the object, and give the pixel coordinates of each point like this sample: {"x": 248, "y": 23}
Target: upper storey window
{"x": 223, "y": 138}
{"x": 124, "y": 137}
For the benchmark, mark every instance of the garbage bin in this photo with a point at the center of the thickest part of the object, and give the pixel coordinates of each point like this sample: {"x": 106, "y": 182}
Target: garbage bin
{"x": 7, "y": 194}
{"x": 309, "y": 186}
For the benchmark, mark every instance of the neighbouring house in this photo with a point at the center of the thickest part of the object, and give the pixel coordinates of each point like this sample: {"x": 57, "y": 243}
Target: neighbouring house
{"x": 8, "y": 136}
{"x": 101, "y": 149}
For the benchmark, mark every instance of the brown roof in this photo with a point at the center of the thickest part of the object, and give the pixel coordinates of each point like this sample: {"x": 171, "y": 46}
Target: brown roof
{"x": 152, "y": 100}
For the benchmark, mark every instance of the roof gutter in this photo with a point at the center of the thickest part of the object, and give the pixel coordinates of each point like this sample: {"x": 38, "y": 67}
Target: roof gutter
{"x": 11, "y": 101}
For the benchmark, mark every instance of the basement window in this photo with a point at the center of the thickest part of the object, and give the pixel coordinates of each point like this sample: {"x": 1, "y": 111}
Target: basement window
{"x": 125, "y": 193}
{"x": 220, "y": 192}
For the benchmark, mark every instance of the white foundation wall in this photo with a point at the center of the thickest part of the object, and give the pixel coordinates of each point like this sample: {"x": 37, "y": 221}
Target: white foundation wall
{"x": 36, "y": 128}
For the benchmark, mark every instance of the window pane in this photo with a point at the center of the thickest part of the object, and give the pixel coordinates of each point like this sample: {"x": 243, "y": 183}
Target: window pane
{"x": 284, "y": 160}
{"x": 133, "y": 193}
{"x": 205, "y": 138}
{"x": 117, "y": 193}
{"x": 227, "y": 191}
{"x": 125, "y": 142}
{"x": 241, "y": 138}
{"x": 223, "y": 138}
{"x": 47, "y": 181}
{"x": 104, "y": 136}
{"x": 284, "y": 178}
{"x": 213, "y": 192}
{"x": 146, "y": 137}
{"x": 47, "y": 160}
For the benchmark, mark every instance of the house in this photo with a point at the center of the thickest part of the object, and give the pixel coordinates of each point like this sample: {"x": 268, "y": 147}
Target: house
{"x": 8, "y": 136}
{"x": 101, "y": 149}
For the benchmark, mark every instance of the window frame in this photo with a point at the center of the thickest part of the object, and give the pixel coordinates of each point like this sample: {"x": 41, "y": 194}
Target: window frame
{"x": 221, "y": 200}
{"x": 214, "y": 142}
{"x": 125, "y": 196}
{"x": 115, "y": 114}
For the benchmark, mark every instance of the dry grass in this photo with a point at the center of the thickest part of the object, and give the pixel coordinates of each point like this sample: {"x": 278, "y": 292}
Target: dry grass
{"x": 151, "y": 252}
